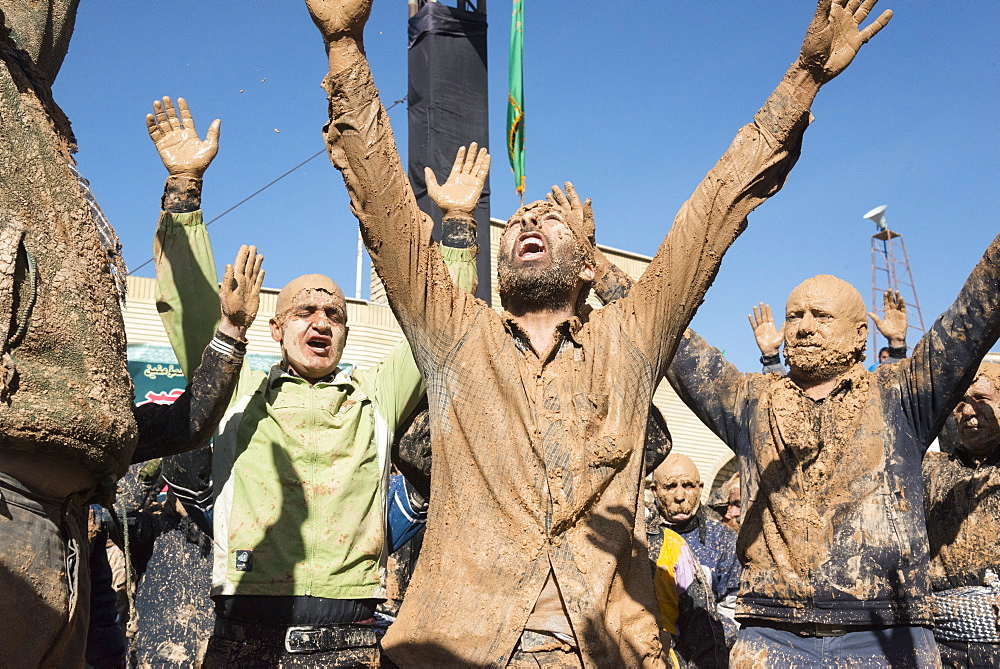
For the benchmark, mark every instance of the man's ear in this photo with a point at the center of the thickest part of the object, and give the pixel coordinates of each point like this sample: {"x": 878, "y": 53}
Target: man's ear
{"x": 587, "y": 272}
{"x": 862, "y": 335}
{"x": 276, "y": 333}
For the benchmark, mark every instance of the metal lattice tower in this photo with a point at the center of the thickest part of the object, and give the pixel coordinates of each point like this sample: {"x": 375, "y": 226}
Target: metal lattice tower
{"x": 891, "y": 271}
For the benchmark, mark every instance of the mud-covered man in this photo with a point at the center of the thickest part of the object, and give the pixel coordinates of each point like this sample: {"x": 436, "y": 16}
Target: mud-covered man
{"x": 538, "y": 414}
{"x": 68, "y": 428}
{"x": 300, "y": 464}
{"x": 833, "y": 541}
{"x": 677, "y": 486}
{"x": 962, "y": 504}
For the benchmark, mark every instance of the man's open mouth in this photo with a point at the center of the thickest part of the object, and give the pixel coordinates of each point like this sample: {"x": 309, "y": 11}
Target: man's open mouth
{"x": 319, "y": 345}
{"x": 530, "y": 246}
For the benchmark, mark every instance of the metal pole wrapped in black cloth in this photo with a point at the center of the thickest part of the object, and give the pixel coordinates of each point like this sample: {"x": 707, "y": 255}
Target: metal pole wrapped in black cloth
{"x": 448, "y": 96}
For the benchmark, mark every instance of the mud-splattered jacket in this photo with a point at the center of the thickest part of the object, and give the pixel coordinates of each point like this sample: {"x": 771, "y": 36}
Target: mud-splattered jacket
{"x": 549, "y": 449}
{"x": 962, "y": 504}
{"x": 833, "y": 527}
{"x": 713, "y": 544}
{"x": 65, "y": 390}
{"x": 300, "y": 471}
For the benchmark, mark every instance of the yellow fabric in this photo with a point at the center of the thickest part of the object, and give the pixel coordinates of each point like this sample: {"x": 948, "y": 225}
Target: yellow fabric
{"x": 667, "y": 595}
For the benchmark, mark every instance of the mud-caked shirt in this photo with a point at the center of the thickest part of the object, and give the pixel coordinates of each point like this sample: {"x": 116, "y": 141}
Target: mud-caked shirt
{"x": 833, "y": 526}
{"x": 549, "y": 448}
{"x": 300, "y": 471}
{"x": 962, "y": 503}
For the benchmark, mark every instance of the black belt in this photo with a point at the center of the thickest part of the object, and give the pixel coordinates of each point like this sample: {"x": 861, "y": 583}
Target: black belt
{"x": 811, "y": 629}
{"x": 301, "y": 638}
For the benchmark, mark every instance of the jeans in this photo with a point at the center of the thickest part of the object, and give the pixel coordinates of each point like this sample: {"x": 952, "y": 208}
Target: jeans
{"x": 903, "y": 647}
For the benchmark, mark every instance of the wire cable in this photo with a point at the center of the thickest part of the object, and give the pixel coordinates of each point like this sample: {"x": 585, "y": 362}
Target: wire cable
{"x": 264, "y": 187}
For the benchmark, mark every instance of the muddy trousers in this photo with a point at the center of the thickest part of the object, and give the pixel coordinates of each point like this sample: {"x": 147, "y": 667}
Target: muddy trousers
{"x": 44, "y": 578}
{"x": 969, "y": 654}
{"x": 893, "y": 647}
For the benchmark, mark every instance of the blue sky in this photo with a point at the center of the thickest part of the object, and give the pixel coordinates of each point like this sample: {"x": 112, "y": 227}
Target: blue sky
{"x": 632, "y": 100}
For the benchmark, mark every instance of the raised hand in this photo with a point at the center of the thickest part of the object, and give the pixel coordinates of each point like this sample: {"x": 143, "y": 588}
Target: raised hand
{"x": 764, "y": 331}
{"x": 460, "y": 193}
{"x": 175, "y": 137}
{"x": 578, "y": 216}
{"x": 834, "y": 36}
{"x": 894, "y": 322}
{"x": 240, "y": 292}
{"x": 340, "y": 18}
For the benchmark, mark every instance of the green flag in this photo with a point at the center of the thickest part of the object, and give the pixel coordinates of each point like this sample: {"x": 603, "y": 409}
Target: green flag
{"x": 515, "y": 97}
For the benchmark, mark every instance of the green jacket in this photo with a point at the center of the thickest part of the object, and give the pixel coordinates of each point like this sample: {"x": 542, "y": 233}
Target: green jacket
{"x": 300, "y": 471}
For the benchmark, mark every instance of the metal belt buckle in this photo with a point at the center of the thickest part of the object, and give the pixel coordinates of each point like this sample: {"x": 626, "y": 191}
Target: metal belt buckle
{"x": 824, "y": 630}
{"x": 304, "y": 639}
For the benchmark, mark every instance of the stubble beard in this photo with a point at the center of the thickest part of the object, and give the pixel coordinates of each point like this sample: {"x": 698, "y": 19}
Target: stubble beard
{"x": 533, "y": 288}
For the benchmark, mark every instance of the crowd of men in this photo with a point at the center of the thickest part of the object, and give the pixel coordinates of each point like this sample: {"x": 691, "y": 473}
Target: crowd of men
{"x": 837, "y": 543}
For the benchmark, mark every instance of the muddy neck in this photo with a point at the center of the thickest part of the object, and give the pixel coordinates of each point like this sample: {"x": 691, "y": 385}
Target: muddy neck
{"x": 541, "y": 326}
{"x": 817, "y": 390}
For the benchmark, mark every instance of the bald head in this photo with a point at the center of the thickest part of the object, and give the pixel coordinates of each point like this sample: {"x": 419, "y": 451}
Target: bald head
{"x": 677, "y": 465}
{"x": 677, "y": 486}
{"x": 310, "y": 323}
{"x": 841, "y": 297}
{"x": 991, "y": 371}
{"x": 286, "y": 298}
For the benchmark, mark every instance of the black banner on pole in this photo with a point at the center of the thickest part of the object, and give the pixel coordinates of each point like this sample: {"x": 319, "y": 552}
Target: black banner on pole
{"x": 448, "y": 98}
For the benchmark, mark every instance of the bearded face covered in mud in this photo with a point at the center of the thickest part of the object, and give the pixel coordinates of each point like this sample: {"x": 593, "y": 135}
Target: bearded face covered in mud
{"x": 825, "y": 328}
{"x": 539, "y": 263}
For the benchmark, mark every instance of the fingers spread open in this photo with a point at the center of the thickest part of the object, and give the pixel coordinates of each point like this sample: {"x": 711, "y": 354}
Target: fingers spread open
{"x": 430, "y": 179}
{"x": 574, "y": 199}
{"x": 241, "y": 259}
{"x": 470, "y": 158}
{"x": 228, "y": 280}
{"x": 879, "y": 23}
{"x": 161, "y": 116}
{"x": 213, "y": 131}
{"x": 560, "y": 198}
{"x": 459, "y": 161}
{"x": 256, "y": 271}
{"x": 482, "y": 165}
{"x": 171, "y": 113}
{"x": 154, "y": 130}
{"x": 186, "y": 120}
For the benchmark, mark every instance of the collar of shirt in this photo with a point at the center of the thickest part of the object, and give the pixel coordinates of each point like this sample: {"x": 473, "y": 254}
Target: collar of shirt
{"x": 566, "y": 332}
{"x": 280, "y": 373}
{"x": 967, "y": 460}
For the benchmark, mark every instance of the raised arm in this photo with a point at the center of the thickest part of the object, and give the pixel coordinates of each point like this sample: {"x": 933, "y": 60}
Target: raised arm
{"x": 186, "y": 277}
{"x": 457, "y": 198}
{"x": 945, "y": 359}
{"x": 188, "y": 423}
{"x": 768, "y": 338}
{"x": 707, "y": 383}
{"x": 893, "y": 324}
{"x": 361, "y": 146}
{"x": 752, "y": 169}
